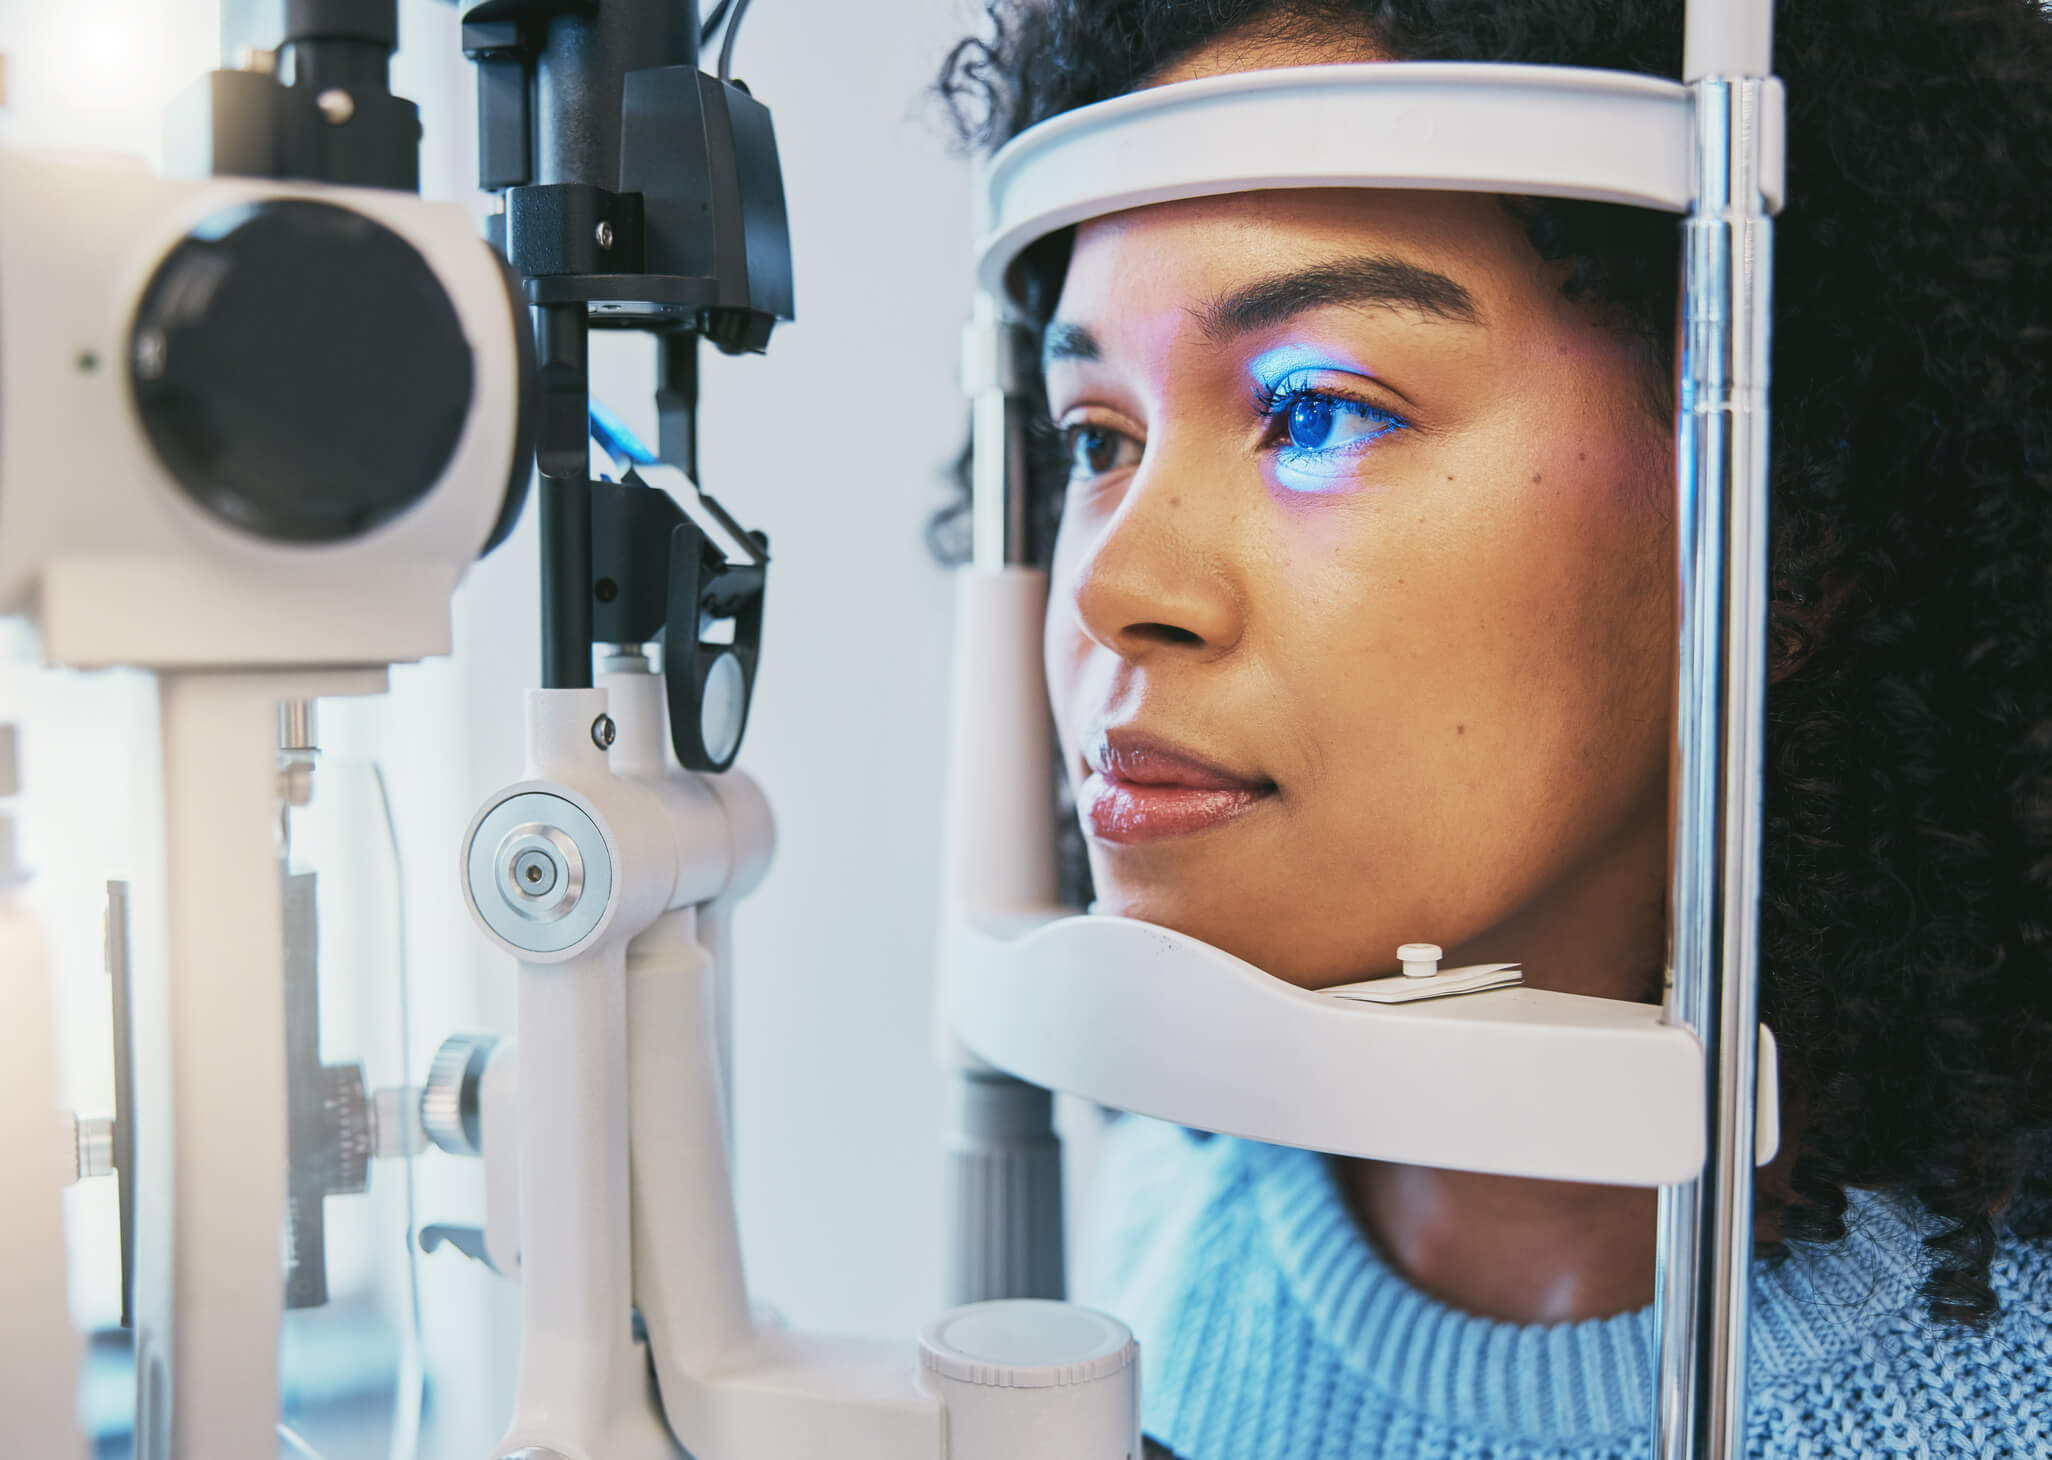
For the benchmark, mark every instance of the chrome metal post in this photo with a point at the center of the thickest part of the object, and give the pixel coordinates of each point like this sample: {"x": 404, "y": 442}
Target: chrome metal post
{"x": 1706, "y": 1227}
{"x": 1004, "y": 1170}
{"x": 994, "y": 377}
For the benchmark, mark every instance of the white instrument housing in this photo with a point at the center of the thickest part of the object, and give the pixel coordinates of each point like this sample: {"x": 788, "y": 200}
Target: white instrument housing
{"x": 99, "y": 543}
{"x": 1541, "y": 131}
{"x": 118, "y": 563}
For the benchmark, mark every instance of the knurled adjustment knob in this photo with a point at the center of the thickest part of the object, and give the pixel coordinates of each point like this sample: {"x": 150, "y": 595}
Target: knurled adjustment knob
{"x": 450, "y": 1107}
{"x": 1027, "y": 1378}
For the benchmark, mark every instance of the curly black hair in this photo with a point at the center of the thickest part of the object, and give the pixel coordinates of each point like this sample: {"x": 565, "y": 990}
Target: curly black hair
{"x": 1906, "y": 943}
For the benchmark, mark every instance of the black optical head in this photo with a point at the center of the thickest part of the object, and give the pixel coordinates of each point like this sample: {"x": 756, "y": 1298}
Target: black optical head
{"x": 300, "y": 370}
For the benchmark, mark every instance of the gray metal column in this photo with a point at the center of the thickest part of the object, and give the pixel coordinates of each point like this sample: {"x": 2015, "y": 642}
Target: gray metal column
{"x": 1004, "y": 1191}
{"x": 1004, "y": 1158}
{"x": 1706, "y": 1227}
{"x": 997, "y": 371}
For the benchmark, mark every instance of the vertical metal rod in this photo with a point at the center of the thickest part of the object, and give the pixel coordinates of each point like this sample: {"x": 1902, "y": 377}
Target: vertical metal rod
{"x": 563, "y": 454}
{"x": 1004, "y": 1169}
{"x": 1706, "y": 1226}
{"x": 994, "y": 376}
{"x": 677, "y": 400}
{"x": 120, "y": 970}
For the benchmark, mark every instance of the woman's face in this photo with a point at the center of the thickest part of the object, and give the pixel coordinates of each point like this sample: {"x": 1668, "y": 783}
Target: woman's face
{"x": 1361, "y": 625}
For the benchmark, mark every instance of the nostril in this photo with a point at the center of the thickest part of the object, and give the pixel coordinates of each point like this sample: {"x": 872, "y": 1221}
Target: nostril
{"x": 1164, "y": 634}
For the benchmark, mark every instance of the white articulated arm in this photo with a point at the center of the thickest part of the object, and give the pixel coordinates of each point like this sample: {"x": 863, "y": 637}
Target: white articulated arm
{"x": 39, "y": 1349}
{"x": 210, "y": 1067}
{"x": 579, "y": 1372}
{"x": 731, "y": 1392}
{"x": 560, "y": 869}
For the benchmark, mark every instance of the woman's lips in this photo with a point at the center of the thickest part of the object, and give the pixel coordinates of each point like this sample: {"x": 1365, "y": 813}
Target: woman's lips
{"x": 1119, "y": 811}
{"x": 1142, "y": 790}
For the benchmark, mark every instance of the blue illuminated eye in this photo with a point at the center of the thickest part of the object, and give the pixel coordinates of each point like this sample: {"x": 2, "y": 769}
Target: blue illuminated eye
{"x": 1317, "y": 423}
{"x": 1318, "y": 437}
{"x": 1311, "y": 422}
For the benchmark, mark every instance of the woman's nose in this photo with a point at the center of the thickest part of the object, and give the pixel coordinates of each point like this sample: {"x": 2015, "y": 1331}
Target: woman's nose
{"x": 1159, "y": 578}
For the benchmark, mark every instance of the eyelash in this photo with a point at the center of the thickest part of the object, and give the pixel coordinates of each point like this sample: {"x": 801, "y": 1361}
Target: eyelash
{"x": 1275, "y": 402}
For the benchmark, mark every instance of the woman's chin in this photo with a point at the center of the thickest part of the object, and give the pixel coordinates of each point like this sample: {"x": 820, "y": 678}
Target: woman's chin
{"x": 1274, "y": 940}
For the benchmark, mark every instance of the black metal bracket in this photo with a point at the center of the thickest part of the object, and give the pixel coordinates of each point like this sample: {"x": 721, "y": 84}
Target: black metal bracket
{"x": 638, "y": 192}
{"x": 333, "y": 119}
{"x": 657, "y": 573}
{"x": 691, "y": 234}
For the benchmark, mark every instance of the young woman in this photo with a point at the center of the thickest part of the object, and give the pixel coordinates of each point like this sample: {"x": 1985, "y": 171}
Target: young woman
{"x": 1361, "y": 631}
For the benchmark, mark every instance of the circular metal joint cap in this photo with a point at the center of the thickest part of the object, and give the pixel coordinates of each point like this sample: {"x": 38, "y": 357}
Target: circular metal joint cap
{"x": 604, "y": 732}
{"x": 539, "y": 873}
{"x": 539, "y": 870}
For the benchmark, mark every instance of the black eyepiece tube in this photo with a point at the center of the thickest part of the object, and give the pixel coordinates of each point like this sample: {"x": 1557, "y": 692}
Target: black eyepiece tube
{"x": 580, "y": 74}
{"x": 345, "y": 20}
{"x": 342, "y": 43}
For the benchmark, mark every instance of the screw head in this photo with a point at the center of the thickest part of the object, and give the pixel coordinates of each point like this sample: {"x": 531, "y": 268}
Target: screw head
{"x": 87, "y": 361}
{"x": 534, "y": 873}
{"x": 604, "y": 234}
{"x": 603, "y": 732}
{"x": 336, "y": 106}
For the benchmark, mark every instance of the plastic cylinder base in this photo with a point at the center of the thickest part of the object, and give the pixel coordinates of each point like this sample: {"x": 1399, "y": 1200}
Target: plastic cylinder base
{"x": 1028, "y": 1379}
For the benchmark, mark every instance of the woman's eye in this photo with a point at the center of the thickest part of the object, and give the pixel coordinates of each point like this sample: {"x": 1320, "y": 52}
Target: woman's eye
{"x": 1318, "y": 437}
{"x": 1095, "y": 450}
{"x": 1314, "y": 422}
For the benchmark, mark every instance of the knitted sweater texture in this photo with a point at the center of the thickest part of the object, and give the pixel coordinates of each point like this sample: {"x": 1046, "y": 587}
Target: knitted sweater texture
{"x": 1270, "y": 1329}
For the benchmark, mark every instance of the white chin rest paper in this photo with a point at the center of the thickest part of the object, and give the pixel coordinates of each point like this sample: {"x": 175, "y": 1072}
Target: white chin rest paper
{"x": 1548, "y": 131}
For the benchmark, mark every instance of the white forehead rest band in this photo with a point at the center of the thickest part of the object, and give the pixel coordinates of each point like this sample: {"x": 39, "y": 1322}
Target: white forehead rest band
{"x": 1548, "y": 131}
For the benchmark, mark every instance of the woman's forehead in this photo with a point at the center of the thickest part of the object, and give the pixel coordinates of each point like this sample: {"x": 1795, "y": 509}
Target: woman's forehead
{"x": 1272, "y": 40}
{"x": 1450, "y": 253}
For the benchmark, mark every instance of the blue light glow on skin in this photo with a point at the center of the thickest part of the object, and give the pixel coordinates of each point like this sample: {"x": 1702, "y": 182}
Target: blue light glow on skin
{"x": 1325, "y": 432}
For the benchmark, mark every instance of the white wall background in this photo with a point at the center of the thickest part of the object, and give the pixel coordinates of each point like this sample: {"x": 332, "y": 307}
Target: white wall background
{"x": 835, "y": 443}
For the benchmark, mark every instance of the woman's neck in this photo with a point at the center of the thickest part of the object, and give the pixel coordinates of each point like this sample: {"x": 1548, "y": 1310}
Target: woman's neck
{"x": 1530, "y": 1251}
{"x": 1541, "y": 1251}
{"x": 1506, "y": 1247}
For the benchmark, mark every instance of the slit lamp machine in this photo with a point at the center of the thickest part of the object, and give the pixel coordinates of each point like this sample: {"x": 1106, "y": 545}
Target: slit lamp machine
{"x": 236, "y": 476}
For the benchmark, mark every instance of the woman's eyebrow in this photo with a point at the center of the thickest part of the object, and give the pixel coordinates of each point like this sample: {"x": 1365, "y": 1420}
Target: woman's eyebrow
{"x": 1064, "y": 341}
{"x": 1371, "y": 280}
{"x": 1374, "y": 280}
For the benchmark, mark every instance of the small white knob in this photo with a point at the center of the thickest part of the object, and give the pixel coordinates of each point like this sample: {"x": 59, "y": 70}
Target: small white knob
{"x": 1420, "y": 960}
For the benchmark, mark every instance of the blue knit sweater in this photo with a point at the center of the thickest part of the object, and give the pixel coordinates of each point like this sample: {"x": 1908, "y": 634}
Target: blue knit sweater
{"x": 1271, "y": 1330}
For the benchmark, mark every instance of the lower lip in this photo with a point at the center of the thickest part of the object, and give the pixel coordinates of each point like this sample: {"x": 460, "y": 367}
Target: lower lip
{"x": 1122, "y": 812}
